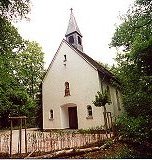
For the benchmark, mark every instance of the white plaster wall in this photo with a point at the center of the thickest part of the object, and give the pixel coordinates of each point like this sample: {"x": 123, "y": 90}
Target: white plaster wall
{"x": 84, "y": 84}
{"x": 113, "y": 106}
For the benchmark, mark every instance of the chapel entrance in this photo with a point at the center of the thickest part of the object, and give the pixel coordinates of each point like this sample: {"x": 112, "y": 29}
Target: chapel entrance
{"x": 73, "y": 119}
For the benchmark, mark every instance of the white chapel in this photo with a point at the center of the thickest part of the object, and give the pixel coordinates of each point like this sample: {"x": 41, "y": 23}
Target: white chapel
{"x": 71, "y": 83}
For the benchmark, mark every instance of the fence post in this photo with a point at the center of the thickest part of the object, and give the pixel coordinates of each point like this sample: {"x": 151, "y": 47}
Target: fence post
{"x": 20, "y": 136}
{"x": 25, "y": 136}
{"x": 11, "y": 139}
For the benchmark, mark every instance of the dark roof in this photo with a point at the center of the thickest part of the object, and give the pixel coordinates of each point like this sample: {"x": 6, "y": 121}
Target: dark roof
{"x": 98, "y": 66}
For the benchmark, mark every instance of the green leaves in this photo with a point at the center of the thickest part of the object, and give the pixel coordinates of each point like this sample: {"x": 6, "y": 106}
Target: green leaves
{"x": 135, "y": 70}
{"x": 31, "y": 68}
{"x": 136, "y": 26}
{"x": 101, "y": 99}
{"x": 14, "y": 9}
{"x": 134, "y": 65}
{"x": 21, "y": 72}
{"x": 135, "y": 129}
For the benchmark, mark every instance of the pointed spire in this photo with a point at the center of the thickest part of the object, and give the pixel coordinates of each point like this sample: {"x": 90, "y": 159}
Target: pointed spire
{"x": 73, "y": 34}
{"x": 72, "y": 26}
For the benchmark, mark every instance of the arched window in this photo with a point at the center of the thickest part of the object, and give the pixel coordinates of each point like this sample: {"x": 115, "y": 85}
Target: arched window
{"x": 79, "y": 40}
{"x": 51, "y": 114}
{"x": 71, "y": 39}
{"x": 89, "y": 109}
{"x": 67, "y": 89}
{"x": 65, "y": 58}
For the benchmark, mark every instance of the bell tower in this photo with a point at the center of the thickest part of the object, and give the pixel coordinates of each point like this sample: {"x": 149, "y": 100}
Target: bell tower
{"x": 73, "y": 34}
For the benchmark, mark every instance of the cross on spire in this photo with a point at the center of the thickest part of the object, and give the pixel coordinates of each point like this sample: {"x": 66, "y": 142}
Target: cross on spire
{"x": 71, "y": 10}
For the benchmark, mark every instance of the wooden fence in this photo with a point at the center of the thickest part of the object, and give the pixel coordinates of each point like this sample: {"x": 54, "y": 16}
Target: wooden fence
{"x": 53, "y": 141}
{"x": 4, "y": 142}
{"x": 50, "y": 141}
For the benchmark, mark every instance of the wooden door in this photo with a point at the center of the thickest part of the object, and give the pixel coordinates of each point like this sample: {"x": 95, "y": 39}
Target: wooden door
{"x": 73, "y": 120}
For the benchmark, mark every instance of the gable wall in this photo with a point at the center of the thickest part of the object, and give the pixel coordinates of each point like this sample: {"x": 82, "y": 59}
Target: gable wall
{"x": 84, "y": 84}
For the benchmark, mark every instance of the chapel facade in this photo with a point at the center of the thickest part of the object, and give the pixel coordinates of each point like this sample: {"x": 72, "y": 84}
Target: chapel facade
{"x": 71, "y": 83}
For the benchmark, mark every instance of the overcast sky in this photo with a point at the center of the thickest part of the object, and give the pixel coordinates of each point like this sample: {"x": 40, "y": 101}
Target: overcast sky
{"x": 96, "y": 20}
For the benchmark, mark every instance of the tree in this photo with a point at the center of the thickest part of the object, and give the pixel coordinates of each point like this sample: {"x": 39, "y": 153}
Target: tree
{"x": 30, "y": 69}
{"x": 10, "y": 89}
{"x": 14, "y": 9}
{"x": 10, "y": 43}
{"x": 13, "y": 98}
{"x": 30, "y": 73}
{"x": 101, "y": 99}
{"x": 136, "y": 27}
{"x": 21, "y": 70}
{"x": 134, "y": 64}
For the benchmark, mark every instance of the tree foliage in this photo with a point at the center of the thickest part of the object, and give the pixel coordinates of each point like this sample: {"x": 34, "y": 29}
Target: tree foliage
{"x": 21, "y": 65}
{"x": 31, "y": 68}
{"x": 136, "y": 27}
{"x": 21, "y": 68}
{"x": 14, "y": 9}
{"x": 134, "y": 64}
{"x": 10, "y": 43}
{"x": 101, "y": 99}
{"x": 136, "y": 129}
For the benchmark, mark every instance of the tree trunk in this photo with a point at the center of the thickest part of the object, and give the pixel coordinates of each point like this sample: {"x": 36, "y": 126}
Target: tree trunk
{"x": 64, "y": 153}
{"x": 105, "y": 119}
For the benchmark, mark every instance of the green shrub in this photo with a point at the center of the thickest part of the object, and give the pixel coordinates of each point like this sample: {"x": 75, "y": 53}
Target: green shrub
{"x": 96, "y": 129}
{"x": 108, "y": 142}
{"x": 123, "y": 153}
{"x": 137, "y": 129}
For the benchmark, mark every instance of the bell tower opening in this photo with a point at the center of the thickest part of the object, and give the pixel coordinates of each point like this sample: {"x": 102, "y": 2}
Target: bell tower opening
{"x": 79, "y": 40}
{"x": 71, "y": 39}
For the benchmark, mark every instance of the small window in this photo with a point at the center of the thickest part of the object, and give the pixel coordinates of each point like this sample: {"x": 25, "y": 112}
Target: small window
{"x": 51, "y": 114}
{"x": 118, "y": 100}
{"x": 65, "y": 58}
{"x": 67, "y": 89}
{"x": 71, "y": 39}
{"x": 79, "y": 40}
{"x": 89, "y": 109}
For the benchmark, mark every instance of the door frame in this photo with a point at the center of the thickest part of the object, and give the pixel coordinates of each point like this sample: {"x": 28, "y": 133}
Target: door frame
{"x": 65, "y": 115}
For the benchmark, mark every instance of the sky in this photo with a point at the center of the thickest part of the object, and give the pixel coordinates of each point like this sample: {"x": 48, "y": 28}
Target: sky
{"x": 96, "y": 19}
